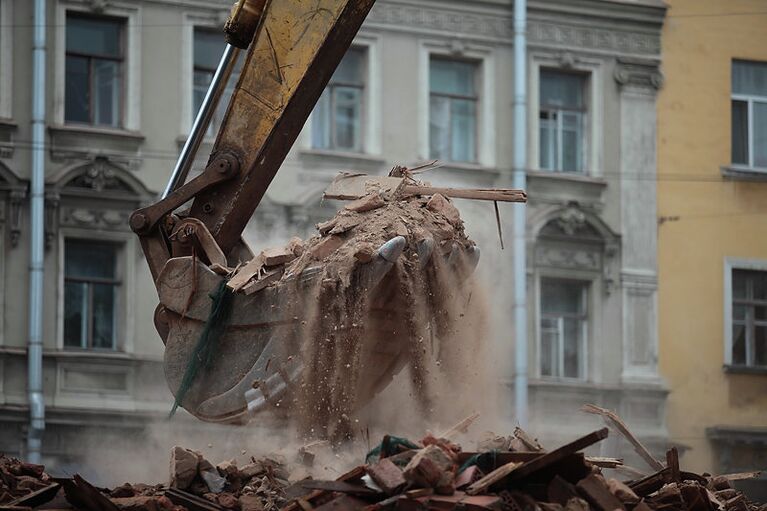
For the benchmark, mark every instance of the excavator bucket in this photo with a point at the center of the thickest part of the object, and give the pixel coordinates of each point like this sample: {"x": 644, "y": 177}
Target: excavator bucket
{"x": 285, "y": 344}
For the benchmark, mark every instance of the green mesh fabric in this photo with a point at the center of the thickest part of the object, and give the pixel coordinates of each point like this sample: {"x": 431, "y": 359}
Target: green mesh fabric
{"x": 215, "y": 326}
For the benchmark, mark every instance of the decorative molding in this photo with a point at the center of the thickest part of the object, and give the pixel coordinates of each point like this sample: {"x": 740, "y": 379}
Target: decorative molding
{"x": 95, "y": 218}
{"x": 641, "y": 73}
{"x": 99, "y": 176}
{"x": 499, "y": 27}
{"x": 569, "y": 258}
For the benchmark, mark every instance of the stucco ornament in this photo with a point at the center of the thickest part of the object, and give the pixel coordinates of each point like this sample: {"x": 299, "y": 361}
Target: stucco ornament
{"x": 571, "y": 221}
{"x": 99, "y": 176}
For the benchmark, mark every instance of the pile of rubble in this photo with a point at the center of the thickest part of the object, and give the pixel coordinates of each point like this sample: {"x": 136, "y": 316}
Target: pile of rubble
{"x": 513, "y": 473}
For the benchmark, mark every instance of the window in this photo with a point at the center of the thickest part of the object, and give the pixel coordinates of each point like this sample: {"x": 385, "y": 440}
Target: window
{"x": 564, "y": 328}
{"x": 208, "y": 47}
{"x": 339, "y": 115}
{"x": 562, "y": 121}
{"x": 94, "y": 61}
{"x": 749, "y": 318}
{"x": 749, "y": 113}
{"x": 453, "y": 105}
{"x": 90, "y": 294}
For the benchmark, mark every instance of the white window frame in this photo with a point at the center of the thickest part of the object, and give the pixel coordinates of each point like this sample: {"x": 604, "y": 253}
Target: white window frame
{"x": 371, "y": 103}
{"x": 6, "y": 60}
{"x": 749, "y": 99}
{"x": 126, "y": 296}
{"x": 588, "y": 283}
{"x": 131, "y": 115}
{"x": 730, "y": 264}
{"x": 593, "y": 118}
{"x": 484, "y": 56}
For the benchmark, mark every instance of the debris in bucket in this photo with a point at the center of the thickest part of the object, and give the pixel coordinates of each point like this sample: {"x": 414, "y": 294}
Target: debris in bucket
{"x": 399, "y": 474}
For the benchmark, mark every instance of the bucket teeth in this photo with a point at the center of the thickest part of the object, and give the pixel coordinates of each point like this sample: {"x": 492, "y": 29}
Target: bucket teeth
{"x": 472, "y": 257}
{"x": 384, "y": 260}
{"x": 425, "y": 250}
{"x": 393, "y": 248}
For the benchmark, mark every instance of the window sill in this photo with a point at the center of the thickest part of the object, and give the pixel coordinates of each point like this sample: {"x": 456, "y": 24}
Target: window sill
{"x": 743, "y": 369}
{"x": 566, "y": 176}
{"x": 81, "y": 129}
{"x": 742, "y": 173}
{"x": 7, "y": 124}
{"x": 341, "y": 155}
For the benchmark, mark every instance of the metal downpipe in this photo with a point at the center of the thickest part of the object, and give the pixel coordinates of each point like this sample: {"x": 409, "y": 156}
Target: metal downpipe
{"x": 37, "y": 240}
{"x": 519, "y": 239}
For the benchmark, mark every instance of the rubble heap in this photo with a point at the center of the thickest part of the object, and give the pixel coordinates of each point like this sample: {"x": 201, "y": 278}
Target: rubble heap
{"x": 512, "y": 473}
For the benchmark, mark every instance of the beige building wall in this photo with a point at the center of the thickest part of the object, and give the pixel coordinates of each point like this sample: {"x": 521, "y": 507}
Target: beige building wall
{"x": 712, "y": 219}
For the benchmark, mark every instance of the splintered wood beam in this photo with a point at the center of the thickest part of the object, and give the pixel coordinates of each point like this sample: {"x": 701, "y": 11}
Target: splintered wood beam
{"x": 491, "y": 194}
{"x": 617, "y": 423}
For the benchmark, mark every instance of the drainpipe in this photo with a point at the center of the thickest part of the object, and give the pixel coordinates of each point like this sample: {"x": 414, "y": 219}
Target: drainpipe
{"x": 520, "y": 182}
{"x": 37, "y": 208}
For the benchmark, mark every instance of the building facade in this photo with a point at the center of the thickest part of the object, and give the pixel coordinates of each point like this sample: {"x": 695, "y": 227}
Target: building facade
{"x": 424, "y": 80}
{"x": 712, "y": 251}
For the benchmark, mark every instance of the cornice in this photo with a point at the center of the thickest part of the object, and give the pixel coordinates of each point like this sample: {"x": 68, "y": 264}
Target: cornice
{"x": 496, "y": 25}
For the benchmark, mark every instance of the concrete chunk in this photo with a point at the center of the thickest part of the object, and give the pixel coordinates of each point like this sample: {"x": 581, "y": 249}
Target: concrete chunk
{"x": 387, "y": 476}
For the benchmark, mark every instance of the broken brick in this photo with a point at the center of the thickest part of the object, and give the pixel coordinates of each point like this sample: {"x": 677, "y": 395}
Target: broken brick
{"x": 439, "y": 204}
{"x": 387, "y": 476}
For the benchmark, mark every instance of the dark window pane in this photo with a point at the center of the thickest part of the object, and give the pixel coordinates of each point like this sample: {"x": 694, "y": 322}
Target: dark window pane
{"x": 562, "y": 90}
{"x": 103, "y": 316}
{"x": 549, "y": 347}
{"x": 106, "y": 91}
{"x": 75, "y": 312}
{"x": 348, "y": 113}
{"x": 351, "y": 70}
{"x": 738, "y": 344}
{"x": 463, "y": 130}
{"x": 439, "y": 127}
{"x": 94, "y": 36}
{"x": 760, "y": 134}
{"x": 740, "y": 132}
{"x": 760, "y": 346}
{"x": 561, "y": 297}
{"x": 77, "y": 101}
{"x": 572, "y": 348}
{"x": 208, "y": 46}
{"x": 452, "y": 77}
{"x": 321, "y": 122}
{"x": 739, "y": 312}
{"x": 749, "y": 78}
{"x": 89, "y": 259}
{"x": 739, "y": 284}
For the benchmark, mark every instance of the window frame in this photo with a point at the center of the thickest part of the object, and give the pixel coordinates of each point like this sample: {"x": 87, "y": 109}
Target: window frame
{"x": 373, "y": 104}
{"x": 6, "y": 59}
{"x": 749, "y": 99}
{"x": 583, "y": 112}
{"x": 476, "y": 99}
{"x": 91, "y": 58}
{"x": 131, "y": 69}
{"x": 485, "y": 56}
{"x": 125, "y": 302}
{"x": 331, "y": 89}
{"x": 116, "y": 282}
{"x": 584, "y": 317}
{"x": 731, "y": 264}
{"x": 593, "y": 129}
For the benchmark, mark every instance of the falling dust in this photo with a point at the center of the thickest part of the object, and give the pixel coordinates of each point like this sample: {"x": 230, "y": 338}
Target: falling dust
{"x": 420, "y": 333}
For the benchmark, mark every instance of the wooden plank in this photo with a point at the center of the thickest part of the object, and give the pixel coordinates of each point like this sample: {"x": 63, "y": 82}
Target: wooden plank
{"x": 490, "y": 194}
{"x": 672, "y": 462}
{"x": 461, "y": 427}
{"x": 618, "y": 424}
{"x": 559, "y": 454}
{"x": 492, "y": 478}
